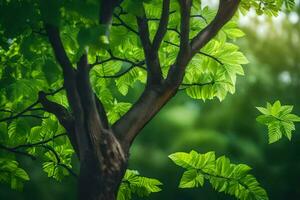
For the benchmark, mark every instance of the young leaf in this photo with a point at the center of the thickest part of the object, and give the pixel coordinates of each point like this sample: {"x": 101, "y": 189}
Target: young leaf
{"x": 221, "y": 173}
{"x": 133, "y": 183}
{"x": 11, "y": 173}
{"x": 278, "y": 119}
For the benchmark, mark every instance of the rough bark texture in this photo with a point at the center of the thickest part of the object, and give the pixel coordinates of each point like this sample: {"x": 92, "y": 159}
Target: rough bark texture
{"x": 102, "y": 182}
{"x": 101, "y": 148}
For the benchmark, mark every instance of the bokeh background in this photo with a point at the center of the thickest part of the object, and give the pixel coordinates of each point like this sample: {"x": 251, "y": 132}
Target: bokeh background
{"x": 273, "y": 47}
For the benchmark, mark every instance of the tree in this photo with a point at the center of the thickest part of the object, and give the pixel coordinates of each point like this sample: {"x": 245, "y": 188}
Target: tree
{"x": 62, "y": 60}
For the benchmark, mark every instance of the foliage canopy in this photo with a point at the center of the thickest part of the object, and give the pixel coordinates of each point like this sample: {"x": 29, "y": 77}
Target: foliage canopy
{"x": 118, "y": 64}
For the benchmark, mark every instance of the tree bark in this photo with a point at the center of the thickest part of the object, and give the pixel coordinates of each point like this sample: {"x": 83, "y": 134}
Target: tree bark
{"x": 101, "y": 182}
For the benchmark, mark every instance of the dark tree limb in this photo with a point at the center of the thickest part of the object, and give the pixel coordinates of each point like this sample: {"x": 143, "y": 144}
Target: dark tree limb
{"x": 163, "y": 25}
{"x": 90, "y": 102}
{"x": 150, "y": 102}
{"x": 70, "y": 84}
{"x": 88, "y": 97}
{"x": 185, "y": 12}
{"x": 64, "y": 117}
{"x": 227, "y": 9}
{"x": 102, "y": 113}
{"x": 69, "y": 72}
{"x": 93, "y": 127}
{"x": 177, "y": 71}
{"x": 152, "y": 60}
{"x": 62, "y": 114}
{"x": 106, "y": 12}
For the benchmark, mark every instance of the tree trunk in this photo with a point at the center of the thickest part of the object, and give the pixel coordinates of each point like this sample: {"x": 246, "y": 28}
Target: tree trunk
{"x": 100, "y": 177}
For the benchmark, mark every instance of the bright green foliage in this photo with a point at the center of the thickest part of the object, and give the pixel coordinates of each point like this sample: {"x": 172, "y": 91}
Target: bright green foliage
{"x": 10, "y": 173}
{"x": 46, "y": 141}
{"x": 223, "y": 176}
{"x": 268, "y": 7}
{"x": 133, "y": 183}
{"x": 28, "y": 65}
{"x": 212, "y": 72}
{"x": 279, "y": 119}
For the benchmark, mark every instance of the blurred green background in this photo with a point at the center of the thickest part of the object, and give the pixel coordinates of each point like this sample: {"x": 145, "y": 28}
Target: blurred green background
{"x": 228, "y": 127}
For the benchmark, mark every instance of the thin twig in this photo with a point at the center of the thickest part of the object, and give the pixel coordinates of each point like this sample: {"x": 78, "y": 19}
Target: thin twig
{"x": 20, "y": 114}
{"x": 12, "y": 150}
{"x": 200, "y": 52}
{"x": 200, "y": 16}
{"x": 123, "y": 73}
{"x": 44, "y": 145}
{"x": 122, "y": 23}
{"x": 37, "y": 143}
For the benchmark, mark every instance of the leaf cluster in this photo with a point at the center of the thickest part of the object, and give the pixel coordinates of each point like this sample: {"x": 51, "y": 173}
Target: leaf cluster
{"x": 223, "y": 175}
{"x": 279, "y": 120}
{"x": 133, "y": 183}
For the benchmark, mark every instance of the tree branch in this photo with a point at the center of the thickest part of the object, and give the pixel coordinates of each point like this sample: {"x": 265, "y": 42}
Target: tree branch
{"x": 227, "y": 9}
{"x": 177, "y": 71}
{"x": 93, "y": 125}
{"x": 152, "y": 61}
{"x": 185, "y": 12}
{"x": 151, "y": 101}
{"x": 163, "y": 25}
{"x": 64, "y": 117}
{"x": 102, "y": 113}
{"x": 69, "y": 72}
{"x": 59, "y": 51}
{"x": 70, "y": 84}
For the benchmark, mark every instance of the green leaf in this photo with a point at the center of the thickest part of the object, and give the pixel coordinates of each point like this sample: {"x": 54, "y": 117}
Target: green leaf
{"x": 181, "y": 159}
{"x": 279, "y": 120}
{"x": 117, "y": 110}
{"x": 134, "y": 7}
{"x": 11, "y": 173}
{"x": 221, "y": 173}
{"x": 51, "y": 71}
{"x": 51, "y": 11}
{"x": 133, "y": 183}
{"x": 191, "y": 178}
{"x": 93, "y": 36}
